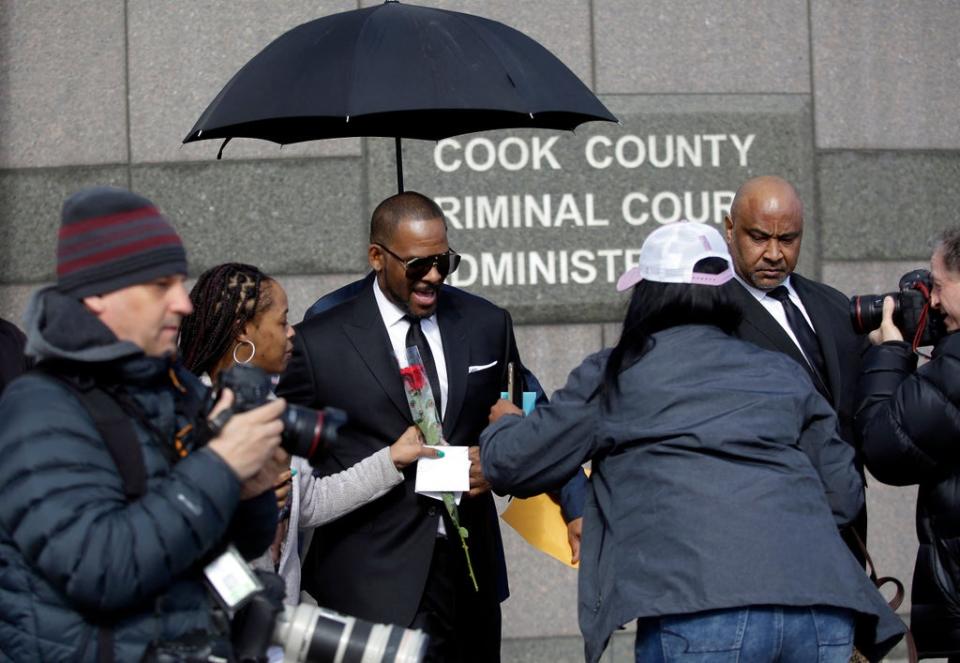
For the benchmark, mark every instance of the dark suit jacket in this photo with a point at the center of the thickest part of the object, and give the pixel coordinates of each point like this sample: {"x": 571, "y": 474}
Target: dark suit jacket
{"x": 829, "y": 310}
{"x": 373, "y": 563}
{"x": 572, "y": 495}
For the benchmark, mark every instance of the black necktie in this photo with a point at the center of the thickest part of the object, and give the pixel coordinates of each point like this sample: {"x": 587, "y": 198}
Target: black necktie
{"x": 806, "y": 337}
{"x": 416, "y": 338}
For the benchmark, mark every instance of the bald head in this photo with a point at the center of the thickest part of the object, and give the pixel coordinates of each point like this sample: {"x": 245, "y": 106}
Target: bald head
{"x": 766, "y": 194}
{"x": 764, "y": 229}
{"x": 406, "y": 206}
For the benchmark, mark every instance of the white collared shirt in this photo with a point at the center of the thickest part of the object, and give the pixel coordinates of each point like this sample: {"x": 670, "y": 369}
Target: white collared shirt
{"x": 397, "y": 328}
{"x": 775, "y": 308}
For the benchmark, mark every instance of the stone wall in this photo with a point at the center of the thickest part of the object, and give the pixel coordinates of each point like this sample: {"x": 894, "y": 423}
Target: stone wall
{"x": 855, "y": 102}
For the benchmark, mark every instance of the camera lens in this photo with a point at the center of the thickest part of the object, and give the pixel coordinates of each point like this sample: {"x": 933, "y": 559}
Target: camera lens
{"x": 310, "y": 633}
{"x": 866, "y": 312}
{"x": 306, "y": 432}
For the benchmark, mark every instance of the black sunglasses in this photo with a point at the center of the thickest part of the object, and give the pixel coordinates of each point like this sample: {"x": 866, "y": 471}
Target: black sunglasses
{"x": 417, "y": 268}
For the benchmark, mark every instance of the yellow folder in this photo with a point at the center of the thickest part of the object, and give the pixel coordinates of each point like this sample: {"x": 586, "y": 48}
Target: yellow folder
{"x": 539, "y": 521}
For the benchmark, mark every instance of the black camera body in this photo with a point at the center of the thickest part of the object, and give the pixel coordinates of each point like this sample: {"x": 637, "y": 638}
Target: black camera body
{"x": 917, "y": 321}
{"x": 306, "y": 432}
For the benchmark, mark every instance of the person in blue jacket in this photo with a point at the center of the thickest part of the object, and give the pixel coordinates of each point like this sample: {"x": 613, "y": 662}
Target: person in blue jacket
{"x": 718, "y": 480}
{"x": 91, "y": 569}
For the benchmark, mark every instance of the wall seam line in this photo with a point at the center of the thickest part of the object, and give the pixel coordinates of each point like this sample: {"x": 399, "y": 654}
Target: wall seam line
{"x": 126, "y": 84}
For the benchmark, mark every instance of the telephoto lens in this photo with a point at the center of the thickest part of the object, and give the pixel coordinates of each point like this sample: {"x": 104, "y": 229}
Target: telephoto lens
{"x": 307, "y": 432}
{"x": 310, "y": 633}
{"x": 866, "y": 311}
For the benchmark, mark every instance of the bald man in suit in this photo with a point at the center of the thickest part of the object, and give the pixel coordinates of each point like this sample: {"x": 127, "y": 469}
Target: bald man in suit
{"x": 788, "y": 313}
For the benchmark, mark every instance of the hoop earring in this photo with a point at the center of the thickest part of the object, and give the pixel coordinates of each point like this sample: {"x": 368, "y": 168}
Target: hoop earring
{"x": 253, "y": 351}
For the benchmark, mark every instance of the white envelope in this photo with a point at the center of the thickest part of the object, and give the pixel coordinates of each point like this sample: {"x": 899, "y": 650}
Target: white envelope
{"x": 448, "y": 474}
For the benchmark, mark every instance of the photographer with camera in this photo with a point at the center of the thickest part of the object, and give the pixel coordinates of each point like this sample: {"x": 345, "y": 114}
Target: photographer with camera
{"x": 909, "y": 419}
{"x": 111, "y": 505}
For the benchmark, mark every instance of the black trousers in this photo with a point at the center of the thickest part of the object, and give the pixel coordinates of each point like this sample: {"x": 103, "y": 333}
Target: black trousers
{"x": 463, "y": 624}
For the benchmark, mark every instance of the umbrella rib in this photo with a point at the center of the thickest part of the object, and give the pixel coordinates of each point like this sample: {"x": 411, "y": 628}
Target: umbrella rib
{"x": 482, "y": 37}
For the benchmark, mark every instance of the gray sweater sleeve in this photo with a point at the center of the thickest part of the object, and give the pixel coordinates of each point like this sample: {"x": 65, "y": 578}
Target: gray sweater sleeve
{"x": 323, "y": 499}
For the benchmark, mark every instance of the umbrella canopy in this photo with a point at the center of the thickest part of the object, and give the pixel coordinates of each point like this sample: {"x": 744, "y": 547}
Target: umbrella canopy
{"x": 397, "y": 70}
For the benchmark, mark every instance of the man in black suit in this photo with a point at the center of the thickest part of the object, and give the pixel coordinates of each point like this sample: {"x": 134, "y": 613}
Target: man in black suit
{"x": 398, "y": 559}
{"x": 785, "y": 312}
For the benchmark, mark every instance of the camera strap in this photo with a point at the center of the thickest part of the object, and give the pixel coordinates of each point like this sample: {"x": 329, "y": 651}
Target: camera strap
{"x": 115, "y": 427}
{"x": 924, "y": 314}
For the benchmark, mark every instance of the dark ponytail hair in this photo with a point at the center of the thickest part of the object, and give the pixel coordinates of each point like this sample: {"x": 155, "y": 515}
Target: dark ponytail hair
{"x": 656, "y": 306}
{"x": 225, "y": 298}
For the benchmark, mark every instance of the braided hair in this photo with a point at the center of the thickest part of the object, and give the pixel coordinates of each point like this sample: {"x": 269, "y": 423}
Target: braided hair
{"x": 225, "y": 298}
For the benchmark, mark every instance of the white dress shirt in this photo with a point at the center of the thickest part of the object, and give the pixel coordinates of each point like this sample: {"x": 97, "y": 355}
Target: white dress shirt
{"x": 397, "y": 328}
{"x": 775, "y": 309}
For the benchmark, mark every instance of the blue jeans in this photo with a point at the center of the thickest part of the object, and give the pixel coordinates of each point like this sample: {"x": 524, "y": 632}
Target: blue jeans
{"x": 758, "y": 634}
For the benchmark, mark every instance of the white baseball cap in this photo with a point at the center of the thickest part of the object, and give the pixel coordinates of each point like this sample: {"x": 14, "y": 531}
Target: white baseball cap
{"x": 670, "y": 253}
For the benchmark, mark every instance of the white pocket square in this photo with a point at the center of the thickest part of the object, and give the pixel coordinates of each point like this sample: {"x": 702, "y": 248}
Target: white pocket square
{"x": 477, "y": 369}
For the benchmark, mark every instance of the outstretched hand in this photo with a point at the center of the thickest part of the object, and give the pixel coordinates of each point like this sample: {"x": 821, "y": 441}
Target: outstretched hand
{"x": 409, "y": 447}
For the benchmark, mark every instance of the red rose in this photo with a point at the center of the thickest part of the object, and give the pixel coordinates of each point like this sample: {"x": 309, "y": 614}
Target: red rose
{"x": 414, "y": 377}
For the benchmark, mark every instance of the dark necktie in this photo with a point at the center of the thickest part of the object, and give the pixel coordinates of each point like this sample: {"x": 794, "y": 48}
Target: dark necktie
{"x": 416, "y": 338}
{"x": 806, "y": 337}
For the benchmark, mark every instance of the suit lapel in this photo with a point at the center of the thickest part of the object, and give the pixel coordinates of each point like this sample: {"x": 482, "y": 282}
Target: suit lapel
{"x": 456, "y": 353}
{"x": 369, "y": 338}
{"x": 822, "y": 318}
{"x": 762, "y": 324}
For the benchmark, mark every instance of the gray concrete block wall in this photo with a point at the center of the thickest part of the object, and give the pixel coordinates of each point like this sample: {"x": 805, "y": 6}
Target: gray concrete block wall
{"x": 62, "y": 83}
{"x": 886, "y": 205}
{"x": 701, "y": 46}
{"x": 885, "y": 74}
{"x": 31, "y": 203}
{"x": 172, "y": 79}
{"x": 856, "y": 102}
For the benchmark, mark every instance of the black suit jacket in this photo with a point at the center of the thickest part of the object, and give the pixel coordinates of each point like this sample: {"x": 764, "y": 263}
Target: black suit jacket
{"x": 373, "y": 563}
{"x": 829, "y": 311}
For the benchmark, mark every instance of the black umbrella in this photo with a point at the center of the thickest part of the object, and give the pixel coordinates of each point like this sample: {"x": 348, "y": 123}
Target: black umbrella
{"x": 400, "y": 71}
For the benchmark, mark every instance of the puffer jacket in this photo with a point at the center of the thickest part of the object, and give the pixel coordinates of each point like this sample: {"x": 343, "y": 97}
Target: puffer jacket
{"x": 909, "y": 419}
{"x": 74, "y": 553}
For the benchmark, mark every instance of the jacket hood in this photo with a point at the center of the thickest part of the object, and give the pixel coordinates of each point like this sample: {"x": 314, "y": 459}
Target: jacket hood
{"x": 60, "y": 327}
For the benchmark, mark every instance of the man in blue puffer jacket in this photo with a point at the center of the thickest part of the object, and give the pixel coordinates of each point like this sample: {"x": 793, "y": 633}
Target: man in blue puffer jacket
{"x": 87, "y": 572}
{"x": 909, "y": 419}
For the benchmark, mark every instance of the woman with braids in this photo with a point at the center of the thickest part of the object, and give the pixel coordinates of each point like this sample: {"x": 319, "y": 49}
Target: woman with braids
{"x": 240, "y": 316}
{"x": 718, "y": 480}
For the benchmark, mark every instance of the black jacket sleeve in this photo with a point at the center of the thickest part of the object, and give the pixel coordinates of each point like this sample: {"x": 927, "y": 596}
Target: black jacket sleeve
{"x": 908, "y": 419}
